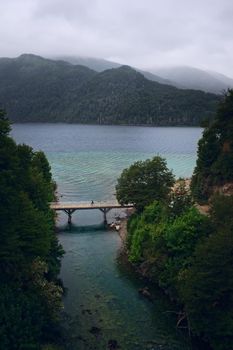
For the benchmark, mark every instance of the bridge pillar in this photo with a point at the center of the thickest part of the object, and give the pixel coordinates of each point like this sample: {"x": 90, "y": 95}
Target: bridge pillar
{"x": 105, "y": 211}
{"x": 69, "y": 212}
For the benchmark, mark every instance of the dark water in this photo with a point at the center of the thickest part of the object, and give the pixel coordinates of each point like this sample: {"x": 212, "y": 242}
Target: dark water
{"x": 86, "y": 161}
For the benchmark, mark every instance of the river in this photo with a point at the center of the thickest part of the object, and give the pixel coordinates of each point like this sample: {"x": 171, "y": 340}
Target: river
{"x": 102, "y": 302}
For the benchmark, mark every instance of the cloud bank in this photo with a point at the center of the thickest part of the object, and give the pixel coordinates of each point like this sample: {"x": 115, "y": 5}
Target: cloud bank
{"x": 145, "y": 34}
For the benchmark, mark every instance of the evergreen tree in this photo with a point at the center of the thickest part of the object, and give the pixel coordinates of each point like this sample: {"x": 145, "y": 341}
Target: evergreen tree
{"x": 30, "y": 298}
{"x": 215, "y": 153}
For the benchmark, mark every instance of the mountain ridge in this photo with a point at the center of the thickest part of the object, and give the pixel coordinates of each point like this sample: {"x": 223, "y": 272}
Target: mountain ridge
{"x": 190, "y": 77}
{"x": 34, "y": 89}
{"x": 186, "y": 77}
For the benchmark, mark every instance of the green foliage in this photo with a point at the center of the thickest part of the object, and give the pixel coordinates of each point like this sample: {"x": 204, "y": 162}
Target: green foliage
{"x": 221, "y": 212}
{"x": 30, "y": 299}
{"x": 22, "y": 316}
{"x": 166, "y": 241}
{"x": 207, "y": 290}
{"x": 4, "y": 124}
{"x": 215, "y": 153}
{"x": 36, "y": 89}
{"x": 144, "y": 182}
{"x": 191, "y": 257}
{"x": 180, "y": 198}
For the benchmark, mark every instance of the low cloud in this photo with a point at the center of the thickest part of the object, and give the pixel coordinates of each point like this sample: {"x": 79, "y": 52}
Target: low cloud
{"x": 145, "y": 34}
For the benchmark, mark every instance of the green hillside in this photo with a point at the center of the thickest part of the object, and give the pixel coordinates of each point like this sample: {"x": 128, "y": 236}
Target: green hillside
{"x": 36, "y": 89}
{"x": 32, "y": 88}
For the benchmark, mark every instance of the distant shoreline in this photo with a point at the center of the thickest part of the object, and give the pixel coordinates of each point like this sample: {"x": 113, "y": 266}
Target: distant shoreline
{"x": 96, "y": 124}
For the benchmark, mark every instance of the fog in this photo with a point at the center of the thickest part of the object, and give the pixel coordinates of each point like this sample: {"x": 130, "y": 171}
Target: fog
{"x": 144, "y": 34}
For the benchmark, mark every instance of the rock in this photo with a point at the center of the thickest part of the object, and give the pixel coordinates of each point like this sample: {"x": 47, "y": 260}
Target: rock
{"x": 112, "y": 225}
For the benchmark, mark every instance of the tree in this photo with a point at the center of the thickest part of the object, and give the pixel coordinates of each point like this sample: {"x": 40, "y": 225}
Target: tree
{"x": 30, "y": 254}
{"x": 4, "y": 123}
{"x": 206, "y": 290}
{"x": 144, "y": 182}
{"x": 206, "y": 286}
{"x": 180, "y": 198}
{"x": 215, "y": 153}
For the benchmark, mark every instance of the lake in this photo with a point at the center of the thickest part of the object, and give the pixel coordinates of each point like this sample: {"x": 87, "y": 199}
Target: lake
{"x": 102, "y": 302}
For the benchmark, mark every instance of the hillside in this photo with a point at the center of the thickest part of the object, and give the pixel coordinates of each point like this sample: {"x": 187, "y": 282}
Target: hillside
{"x": 100, "y": 65}
{"x": 32, "y": 87}
{"x": 182, "y": 77}
{"x": 36, "y": 89}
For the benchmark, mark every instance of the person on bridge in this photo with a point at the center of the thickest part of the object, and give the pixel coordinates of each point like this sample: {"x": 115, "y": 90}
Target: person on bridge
{"x": 92, "y": 202}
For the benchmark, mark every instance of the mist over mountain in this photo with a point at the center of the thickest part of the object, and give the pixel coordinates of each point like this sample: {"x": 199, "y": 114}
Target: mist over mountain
{"x": 194, "y": 78}
{"x": 99, "y": 65}
{"x": 34, "y": 89}
{"x": 183, "y": 77}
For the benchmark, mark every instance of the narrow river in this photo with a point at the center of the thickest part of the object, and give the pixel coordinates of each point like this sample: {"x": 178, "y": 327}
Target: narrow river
{"x": 102, "y": 305}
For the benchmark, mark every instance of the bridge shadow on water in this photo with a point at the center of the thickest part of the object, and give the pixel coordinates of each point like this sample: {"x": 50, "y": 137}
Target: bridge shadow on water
{"x": 72, "y": 228}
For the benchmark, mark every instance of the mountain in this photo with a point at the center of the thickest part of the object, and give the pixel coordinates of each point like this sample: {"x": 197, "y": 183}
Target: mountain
{"x": 183, "y": 77}
{"x": 228, "y": 81}
{"x": 32, "y": 87}
{"x": 40, "y": 90}
{"x": 99, "y": 65}
{"x": 193, "y": 78}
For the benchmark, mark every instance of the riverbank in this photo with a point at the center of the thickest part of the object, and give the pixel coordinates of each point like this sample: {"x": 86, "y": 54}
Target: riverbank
{"x": 123, "y": 230}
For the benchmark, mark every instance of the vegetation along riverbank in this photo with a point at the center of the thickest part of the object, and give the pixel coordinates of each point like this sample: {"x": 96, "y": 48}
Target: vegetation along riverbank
{"x": 30, "y": 254}
{"x": 188, "y": 254}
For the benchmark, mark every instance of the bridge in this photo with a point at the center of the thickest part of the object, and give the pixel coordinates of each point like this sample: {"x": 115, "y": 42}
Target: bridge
{"x": 104, "y": 207}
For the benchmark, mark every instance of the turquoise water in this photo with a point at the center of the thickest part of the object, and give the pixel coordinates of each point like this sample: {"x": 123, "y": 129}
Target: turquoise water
{"x": 102, "y": 293}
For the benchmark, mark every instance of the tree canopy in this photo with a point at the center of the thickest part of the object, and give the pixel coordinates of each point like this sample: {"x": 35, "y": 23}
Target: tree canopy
{"x": 144, "y": 182}
{"x": 30, "y": 295}
{"x": 214, "y": 165}
{"x": 190, "y": 256}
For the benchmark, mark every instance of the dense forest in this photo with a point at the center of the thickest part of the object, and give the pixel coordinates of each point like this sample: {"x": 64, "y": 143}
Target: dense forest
{"x": 30, "y": 255}
{"x": 188, "y": 254}
{"x": 214, "y": 168}
{"x": 34, "y": 89}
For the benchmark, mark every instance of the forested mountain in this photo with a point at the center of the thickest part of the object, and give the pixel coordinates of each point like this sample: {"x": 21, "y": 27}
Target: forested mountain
{"x": 31, "y": 87}
{"x": 36, "y": 89}
{"x": 99, "y": 65}
{"x": 183, "y": 77}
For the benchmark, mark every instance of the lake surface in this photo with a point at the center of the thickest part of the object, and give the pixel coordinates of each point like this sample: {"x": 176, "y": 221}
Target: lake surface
{"x": 102, "y": 302}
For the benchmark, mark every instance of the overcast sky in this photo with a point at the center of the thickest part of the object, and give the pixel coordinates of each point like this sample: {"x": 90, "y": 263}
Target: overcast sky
{"x": 141, "y": 33}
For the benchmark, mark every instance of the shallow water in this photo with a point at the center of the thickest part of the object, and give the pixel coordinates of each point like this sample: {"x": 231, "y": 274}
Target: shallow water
{"x": 102, "y": 302}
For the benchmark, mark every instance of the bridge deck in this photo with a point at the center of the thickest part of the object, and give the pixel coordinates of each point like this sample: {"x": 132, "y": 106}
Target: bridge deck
{"x": 87, "y": 205}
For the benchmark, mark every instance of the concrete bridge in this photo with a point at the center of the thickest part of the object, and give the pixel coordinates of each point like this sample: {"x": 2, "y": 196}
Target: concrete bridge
{"x": 104, "y": 207}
